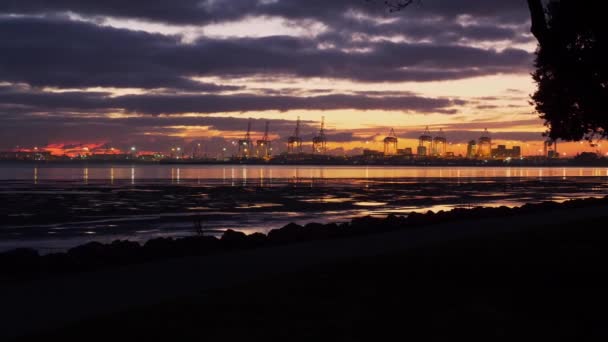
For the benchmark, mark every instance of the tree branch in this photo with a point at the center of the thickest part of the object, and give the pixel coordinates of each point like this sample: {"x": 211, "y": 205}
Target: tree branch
{"x": 397, "y": 5}
{"x": 539, "y": 20}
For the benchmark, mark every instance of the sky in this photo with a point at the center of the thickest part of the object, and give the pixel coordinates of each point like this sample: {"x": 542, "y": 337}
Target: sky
{"x": 166, "y": 73}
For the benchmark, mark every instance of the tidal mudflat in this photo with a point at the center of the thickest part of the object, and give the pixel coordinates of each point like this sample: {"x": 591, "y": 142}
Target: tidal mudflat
{"x": 53, "y": 215}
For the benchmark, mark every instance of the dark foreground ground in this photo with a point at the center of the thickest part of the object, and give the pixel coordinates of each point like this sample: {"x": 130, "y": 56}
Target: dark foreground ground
{"x": 545, "y": 282}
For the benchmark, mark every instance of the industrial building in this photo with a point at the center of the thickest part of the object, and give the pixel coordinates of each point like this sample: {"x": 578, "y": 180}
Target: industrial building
{"x": 294, "y": 142}
{"x": 391, "y": 144}
{"x": 484, "y": 146}
{"x": 25, "y": 155}
{"x": 440, "y": 144}
{"x": 472, "y": 149}
{"x": 425, "y": 144}
{"x": 319, "y": 142}
{"x": 245, "y": 145}
{"x": 431, "y": 147}
{"x": 502, "y": 152}
{"x": 264, "y": 145}
{"x": 550, "y": 149}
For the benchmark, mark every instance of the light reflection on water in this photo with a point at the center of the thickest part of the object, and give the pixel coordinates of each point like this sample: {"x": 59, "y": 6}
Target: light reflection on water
{"x": 242, "y": 175}
{"x": 62, "y": 205}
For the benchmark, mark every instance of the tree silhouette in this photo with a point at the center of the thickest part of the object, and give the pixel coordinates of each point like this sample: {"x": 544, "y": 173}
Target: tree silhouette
{"x": 571, "y": 66}
{"x": 571, "y": 71}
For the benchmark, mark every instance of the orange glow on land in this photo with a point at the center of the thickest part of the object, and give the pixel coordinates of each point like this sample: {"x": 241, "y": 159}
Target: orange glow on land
{"x": 528, "y": 148}
{"x": 76, "y": 149}
{"x": 353, "y": 147}
{"x": 372, "y": 138}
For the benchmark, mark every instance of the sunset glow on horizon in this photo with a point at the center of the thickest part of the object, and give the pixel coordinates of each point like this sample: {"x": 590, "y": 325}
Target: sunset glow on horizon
{"x": 96, "y": 76}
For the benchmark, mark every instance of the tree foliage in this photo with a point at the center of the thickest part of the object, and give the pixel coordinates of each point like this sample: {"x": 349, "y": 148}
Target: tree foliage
{"x": 571, "y": 71}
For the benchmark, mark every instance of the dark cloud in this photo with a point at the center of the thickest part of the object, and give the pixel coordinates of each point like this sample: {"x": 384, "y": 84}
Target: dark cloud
{"x": 438, "y": 20}
{"x": 19, "y": 130}
{"x": 65, "y": 54}
{"x": 31, "y": 130}
{"x": 182, "y": 103}
{"x": 382, "y": 61}
{"x": 356, "y": 32}
{"x": 151, "y": 104}
{"x": 40, "y": 46}
{"x": 164, "y": 11}
{"x": 484, "y": 107}
{"x": 199, "y": 12}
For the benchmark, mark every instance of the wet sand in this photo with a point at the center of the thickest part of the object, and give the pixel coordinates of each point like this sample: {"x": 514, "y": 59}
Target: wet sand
{"x": 55, "y": 215}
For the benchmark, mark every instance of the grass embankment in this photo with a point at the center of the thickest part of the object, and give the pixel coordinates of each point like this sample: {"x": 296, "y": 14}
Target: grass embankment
{"x": 545, "y": 282}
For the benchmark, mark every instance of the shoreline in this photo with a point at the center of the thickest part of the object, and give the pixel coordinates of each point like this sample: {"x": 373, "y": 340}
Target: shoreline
{"x": 30, "y": 302}
{"x": 30, "y": 263}
{"x": 48, "y": 214}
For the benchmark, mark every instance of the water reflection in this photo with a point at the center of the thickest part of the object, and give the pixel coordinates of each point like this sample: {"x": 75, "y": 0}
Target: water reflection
{"x": 261, "y": 172}
{"x": 291, "y": 194}
{"x": 264, "y": 175}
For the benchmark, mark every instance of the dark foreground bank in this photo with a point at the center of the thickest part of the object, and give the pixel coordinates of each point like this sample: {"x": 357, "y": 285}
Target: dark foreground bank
{"x": 29, "y": 264}
{"x": 536, "y": 271}
{"x": 545, "y": 282}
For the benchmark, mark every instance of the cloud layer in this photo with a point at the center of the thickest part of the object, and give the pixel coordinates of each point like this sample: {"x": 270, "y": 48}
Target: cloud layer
{"x": 67, "y": 62}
